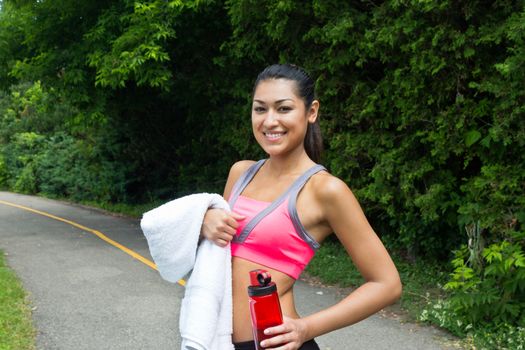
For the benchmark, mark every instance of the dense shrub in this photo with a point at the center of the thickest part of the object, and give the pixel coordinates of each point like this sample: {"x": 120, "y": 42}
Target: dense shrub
{"x": 72, "y": 168}
{"x": 486, "y": 292}
{"x": 3, "y": 173}
{"x": 21, "y": 158}
{"x": 418, "y": 114}
{"x": 36, "y": 157}
{"x": 62, "y": 166}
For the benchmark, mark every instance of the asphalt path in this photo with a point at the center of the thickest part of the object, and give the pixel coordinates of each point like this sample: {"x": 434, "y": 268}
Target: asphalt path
{"x": 90, "y": 290}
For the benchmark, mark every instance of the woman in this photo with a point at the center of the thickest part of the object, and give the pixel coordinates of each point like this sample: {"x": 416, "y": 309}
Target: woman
{"x": 301, "y": 205}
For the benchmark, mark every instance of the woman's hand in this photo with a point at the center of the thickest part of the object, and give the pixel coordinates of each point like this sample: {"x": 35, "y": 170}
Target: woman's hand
{"x": 288, "y": 336}
{"x": 219, "y": 226}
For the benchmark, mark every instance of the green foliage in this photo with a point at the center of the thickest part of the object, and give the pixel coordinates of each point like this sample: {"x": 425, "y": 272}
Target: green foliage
{"x": 36, "y": 157}
{"x": 504, "y": 337}
{"x": 59, "y": 165}
{"x": 486, "y": 297}
{"x": 496, "y": 291}
{"x": 21, "y": 157}
{"x": 3, "y": 173}
{"x": 495, "y": 198}
{"x": 75, "y": 169}
{"x": 136, "y": 52}
{"x": 11, "y": 39}
{"x": 489, "y": 336}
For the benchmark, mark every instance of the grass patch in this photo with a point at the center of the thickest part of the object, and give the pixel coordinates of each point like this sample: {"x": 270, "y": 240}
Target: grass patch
{"x": 332, "y": 265}
{"x": 16, "y": 329}
{"x": 131, "y": 210}
{"x": 421, "y": 281}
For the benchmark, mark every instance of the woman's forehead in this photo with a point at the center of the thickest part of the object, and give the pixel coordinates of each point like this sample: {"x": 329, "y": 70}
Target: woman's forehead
{"x": 275, "y": 90}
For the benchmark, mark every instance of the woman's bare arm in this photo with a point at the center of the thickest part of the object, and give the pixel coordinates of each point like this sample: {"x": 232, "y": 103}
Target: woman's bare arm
{"x": 382, "y": 285}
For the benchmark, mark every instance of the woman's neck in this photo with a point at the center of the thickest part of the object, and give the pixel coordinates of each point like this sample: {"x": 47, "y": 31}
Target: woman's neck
{"x": 288, "y": 165}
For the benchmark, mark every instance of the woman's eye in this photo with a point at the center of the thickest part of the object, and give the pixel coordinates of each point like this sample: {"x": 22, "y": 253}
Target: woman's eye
{"x": 285, "y": 109}
{"x": 258, "y": 109}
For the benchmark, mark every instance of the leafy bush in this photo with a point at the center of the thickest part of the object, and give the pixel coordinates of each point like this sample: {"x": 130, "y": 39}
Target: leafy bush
{"x": 422, "y": 106}
{"x": 21, "y": 156}
{"x": 69, "y": 167}
{"x": 3, "y": 172}
{"x": 486, "y": 292}
{"x": 493, "y": 292}
{"x": 36, "y": 157}
{"x": 60, "y": 165}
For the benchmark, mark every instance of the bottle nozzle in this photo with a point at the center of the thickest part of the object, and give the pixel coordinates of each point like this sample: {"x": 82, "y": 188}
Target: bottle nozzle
{"x": 260, "y": 278}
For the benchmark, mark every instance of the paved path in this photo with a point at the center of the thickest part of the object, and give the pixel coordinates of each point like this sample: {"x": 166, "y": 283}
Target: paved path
{"x": 88, "y": 294}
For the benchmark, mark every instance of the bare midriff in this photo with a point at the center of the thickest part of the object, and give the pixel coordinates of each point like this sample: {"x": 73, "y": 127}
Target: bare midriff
{"x": 242, "y": 327}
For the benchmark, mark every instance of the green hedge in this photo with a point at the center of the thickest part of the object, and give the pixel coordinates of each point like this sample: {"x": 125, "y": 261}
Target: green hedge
{"x": 37, "y": 157}
{"x": 422, "y": 101}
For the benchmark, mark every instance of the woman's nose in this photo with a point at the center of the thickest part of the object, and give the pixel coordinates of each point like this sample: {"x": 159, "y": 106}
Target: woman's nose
{"x": 271, "y": 118}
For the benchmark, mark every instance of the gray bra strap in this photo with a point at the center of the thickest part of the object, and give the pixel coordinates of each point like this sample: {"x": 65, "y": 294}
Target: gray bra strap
{"x": 244, "y": 180}
{"x": 292, "y": 208}
{"x": 295, "y": 187}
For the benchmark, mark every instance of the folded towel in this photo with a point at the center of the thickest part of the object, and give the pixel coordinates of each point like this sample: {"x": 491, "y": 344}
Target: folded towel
{"x": 173, "y": 231}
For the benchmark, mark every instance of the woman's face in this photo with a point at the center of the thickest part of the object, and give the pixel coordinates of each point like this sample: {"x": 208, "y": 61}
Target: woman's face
{"x": 279, "y": 117}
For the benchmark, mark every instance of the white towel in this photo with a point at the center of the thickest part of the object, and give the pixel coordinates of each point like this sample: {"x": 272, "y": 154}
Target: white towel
{"x": 173, "y": 231}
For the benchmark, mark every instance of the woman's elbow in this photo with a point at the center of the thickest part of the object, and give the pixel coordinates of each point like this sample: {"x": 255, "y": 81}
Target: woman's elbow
{"x": 395, "y": 289}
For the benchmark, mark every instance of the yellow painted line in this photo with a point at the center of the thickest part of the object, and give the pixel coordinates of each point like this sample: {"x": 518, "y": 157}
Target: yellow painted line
{"x": 95, "y": 232}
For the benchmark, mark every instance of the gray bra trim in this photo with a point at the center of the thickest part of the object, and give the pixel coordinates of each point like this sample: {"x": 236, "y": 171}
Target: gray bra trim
{"x": 293, "y": 191}
{"x": 292, "y": 207}
{"x": 244, "y": 180}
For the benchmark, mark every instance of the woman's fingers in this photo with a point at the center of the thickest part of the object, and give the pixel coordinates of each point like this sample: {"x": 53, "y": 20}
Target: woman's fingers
{"x": 220, "y": 226}
{"x": 236, "y": 216}
{"x": 232, "y": 220}
{"x": 222, "y": 242}
{"x": 290, "y": 335}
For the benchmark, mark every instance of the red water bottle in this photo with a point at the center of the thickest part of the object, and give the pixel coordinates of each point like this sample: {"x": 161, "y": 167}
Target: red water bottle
{"x": 265, "y": 308}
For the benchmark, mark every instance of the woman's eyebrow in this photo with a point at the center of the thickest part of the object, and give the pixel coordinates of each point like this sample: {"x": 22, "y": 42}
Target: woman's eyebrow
{"x": 278, "y": 101}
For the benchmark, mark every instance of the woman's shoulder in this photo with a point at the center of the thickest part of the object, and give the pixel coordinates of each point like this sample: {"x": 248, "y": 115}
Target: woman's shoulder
{"x": 236, "y": 170}
{"x": 327, "y": 187}
{"x": 240, "y": 167}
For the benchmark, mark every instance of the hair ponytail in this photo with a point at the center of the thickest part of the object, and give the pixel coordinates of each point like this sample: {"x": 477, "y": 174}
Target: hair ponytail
{"x": 313, "y": 142}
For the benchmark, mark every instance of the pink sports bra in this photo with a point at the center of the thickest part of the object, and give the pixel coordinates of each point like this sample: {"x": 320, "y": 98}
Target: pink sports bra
{"x": 272, "y": 234}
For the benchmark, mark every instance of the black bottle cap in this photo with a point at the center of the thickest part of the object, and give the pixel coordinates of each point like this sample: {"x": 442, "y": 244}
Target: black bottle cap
{"x": 257, "y": 291}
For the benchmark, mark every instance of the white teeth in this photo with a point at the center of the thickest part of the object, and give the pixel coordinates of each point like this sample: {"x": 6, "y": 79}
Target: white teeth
{"x": 273, "y": 135}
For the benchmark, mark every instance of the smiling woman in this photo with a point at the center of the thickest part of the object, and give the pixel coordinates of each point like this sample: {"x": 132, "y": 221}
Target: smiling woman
{"x": 16, "y": 329}
{"x": 283, "y": 208}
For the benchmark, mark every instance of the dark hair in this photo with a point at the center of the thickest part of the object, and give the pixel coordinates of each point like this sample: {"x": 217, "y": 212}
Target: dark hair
{"x": 305, "y": 88}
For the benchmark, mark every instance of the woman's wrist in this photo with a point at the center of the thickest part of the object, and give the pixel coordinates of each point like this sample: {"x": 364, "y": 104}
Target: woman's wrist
{"x": 307, "y": 329}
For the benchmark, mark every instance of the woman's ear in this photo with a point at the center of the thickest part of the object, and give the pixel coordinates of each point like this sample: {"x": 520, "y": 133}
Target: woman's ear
{"x": 313, "y": 112}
